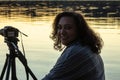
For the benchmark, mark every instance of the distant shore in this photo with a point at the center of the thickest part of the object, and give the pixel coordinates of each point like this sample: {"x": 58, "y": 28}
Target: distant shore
{"x": 88, "y": 8}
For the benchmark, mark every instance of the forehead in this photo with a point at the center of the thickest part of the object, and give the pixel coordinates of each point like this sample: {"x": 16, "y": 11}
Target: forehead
{"x": 66, "y": 19}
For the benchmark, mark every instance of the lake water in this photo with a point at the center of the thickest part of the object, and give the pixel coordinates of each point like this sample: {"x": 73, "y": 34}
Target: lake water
{"x": 39, "y": 48}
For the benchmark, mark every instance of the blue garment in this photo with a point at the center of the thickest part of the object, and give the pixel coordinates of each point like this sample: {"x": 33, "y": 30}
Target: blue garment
{"x": 77, "y": 63}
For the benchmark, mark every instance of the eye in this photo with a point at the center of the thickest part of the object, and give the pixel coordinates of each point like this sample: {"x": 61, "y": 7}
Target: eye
{"x": 67, "y": 27}
{"x": 59, "y": 27}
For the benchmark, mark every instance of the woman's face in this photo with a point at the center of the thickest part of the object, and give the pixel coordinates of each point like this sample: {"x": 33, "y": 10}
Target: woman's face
{"x": 67, "y": 30}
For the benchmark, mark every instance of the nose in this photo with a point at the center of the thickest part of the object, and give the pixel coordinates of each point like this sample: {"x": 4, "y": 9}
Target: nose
{"x": 62, "y": 31}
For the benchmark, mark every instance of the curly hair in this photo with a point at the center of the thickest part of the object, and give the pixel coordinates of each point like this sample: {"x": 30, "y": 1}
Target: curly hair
{"x": 86, "y": 35}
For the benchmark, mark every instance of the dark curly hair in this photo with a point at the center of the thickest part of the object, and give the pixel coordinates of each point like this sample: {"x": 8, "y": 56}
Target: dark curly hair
{"x": 86, "y": 35}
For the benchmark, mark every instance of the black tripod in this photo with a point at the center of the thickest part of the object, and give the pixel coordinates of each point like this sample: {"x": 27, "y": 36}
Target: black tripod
{"x": 10, "y": 65}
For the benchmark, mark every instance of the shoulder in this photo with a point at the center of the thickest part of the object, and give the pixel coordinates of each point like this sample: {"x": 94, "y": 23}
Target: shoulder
{"x": 78, "y": 49}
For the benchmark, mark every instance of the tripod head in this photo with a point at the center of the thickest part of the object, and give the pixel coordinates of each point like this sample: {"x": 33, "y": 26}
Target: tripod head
{"x": 10, "y": 33}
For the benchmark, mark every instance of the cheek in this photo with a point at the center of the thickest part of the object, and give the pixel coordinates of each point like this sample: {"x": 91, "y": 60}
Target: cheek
{"x": 59, "y": 34}
{"x": 73, "y": 34}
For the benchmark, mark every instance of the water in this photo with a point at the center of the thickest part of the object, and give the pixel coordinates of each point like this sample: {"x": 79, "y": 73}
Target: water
{"x": 39, "y": 49}
{"x": 110, "y": 53}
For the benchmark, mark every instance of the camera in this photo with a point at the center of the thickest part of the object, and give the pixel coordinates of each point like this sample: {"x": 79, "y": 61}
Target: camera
{"x": 9, "y": 32}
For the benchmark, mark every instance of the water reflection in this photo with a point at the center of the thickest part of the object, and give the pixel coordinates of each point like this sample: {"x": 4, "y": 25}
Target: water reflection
{"x": 102, "y": 22}
{"x": 39, "y": 8}
{"x": 96, "y": 12}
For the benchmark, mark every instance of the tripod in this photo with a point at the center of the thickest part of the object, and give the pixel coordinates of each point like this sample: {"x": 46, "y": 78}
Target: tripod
{"x": 10, "y": 65}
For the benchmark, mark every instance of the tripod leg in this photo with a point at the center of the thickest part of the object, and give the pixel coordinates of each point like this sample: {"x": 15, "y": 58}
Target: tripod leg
{"x": 8, "y": 69}
{"x": 5, "y": 67}
{"x": 24, "y": 62}
{"x": 29, "y": 71}
{"x": 13, "y": 49}
{"x": 13, "y": 69}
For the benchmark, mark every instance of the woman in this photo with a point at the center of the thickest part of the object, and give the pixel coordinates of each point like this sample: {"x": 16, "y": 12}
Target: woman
{"x": 80, "y": 60}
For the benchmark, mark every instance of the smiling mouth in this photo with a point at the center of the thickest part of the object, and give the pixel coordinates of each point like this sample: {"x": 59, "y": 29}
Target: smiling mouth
{"x": 64, "y": 38}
